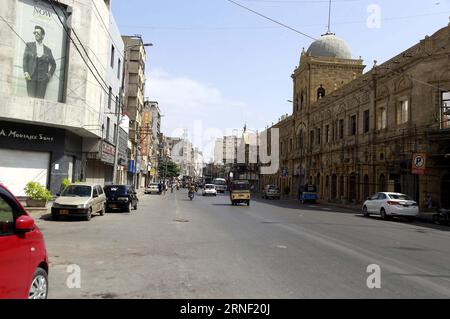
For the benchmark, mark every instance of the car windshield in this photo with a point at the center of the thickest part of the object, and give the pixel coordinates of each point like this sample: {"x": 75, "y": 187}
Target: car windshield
{"x": 241, "y": 186}
{"x": 400, "y": 197}
{"x": 116, "y": 190}
{"x": 77, "y": 191}
{"x": 209, "y": 186}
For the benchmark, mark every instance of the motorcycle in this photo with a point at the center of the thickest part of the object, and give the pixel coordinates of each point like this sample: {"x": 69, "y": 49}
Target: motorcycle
{"x": 191, "y": 195}
{"x": 442, "y": 216}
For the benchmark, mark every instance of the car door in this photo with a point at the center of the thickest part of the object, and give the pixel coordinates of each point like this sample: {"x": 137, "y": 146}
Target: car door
{"x": 370, "y": 203}
{"x": 95, "y": 199}
{"x": 379, "y": 202}
{"x": 102, "y": 197}
{"x": 15, "y": 252}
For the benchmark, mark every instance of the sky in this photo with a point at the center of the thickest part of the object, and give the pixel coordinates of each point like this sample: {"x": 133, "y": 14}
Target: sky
{"x": 215, "y": 66}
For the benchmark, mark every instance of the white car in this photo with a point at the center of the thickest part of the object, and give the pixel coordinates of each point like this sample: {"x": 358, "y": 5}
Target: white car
{"x": 209, "y": 190}
{"x": 388, "y": 205}
{"x": 152, "y": 189}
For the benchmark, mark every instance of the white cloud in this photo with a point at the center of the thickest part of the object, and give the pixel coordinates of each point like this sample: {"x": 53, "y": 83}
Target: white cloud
{"x": 198, "y": 107}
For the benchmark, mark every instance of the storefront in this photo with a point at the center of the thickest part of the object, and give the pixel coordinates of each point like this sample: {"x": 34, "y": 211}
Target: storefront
{"x": 41, "y": 154}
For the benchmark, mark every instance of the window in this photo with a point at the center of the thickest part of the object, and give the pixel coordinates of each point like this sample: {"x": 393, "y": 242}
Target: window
{"x": 281, "y": 148}
{"x": 311, "y": 138}
{"x": 95, "y": 191}
{"x": 6, "y": 218}
{"x": 108, "y": 123}
{"x": 301, "y": 101}
{"x": 109, "y": 97}
{"x": 119, "y": 69}
{"x": 445, "y": 117}
{"x": 402, "y": 112}
{"x": 100, "y": 190}
{"x": 318, "y": 136}
{"x": 366, "y": 125}
{"x": 115, "y": 133}
{"x": 290, "y": 144}
{"x": 352, "y": 125}
{"x": 381, "y": 119}
{"x": 300, "y": 140}
{"x": 327, "y": 133}
{"x": 320, "y": 92}
{"x": 341, "y": 129}
{"x": 112, "y": 56}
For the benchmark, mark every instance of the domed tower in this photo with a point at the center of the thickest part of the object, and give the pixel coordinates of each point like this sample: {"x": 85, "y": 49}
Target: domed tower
{"x": 324, "y": 67}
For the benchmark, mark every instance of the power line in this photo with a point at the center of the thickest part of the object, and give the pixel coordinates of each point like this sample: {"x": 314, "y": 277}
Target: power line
{"x": 270, "y": 19}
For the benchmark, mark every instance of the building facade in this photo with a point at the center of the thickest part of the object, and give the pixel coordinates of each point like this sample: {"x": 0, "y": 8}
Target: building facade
{"x": 53, "y": 103}
{"x": 354, "y": 134}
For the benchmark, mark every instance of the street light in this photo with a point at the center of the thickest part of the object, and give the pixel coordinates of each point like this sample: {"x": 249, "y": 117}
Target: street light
{"x": 120, "y": 108}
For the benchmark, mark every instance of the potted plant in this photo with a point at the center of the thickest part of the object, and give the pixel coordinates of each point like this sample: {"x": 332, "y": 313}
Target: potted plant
{"x": 37, "y": 195}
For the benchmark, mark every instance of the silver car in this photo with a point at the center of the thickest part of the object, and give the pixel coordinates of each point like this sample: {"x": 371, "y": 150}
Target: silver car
{"x": 80, "y": 199}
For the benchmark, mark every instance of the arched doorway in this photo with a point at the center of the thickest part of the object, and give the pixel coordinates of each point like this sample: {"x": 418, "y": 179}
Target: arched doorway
{"x": 341, "y": 186}
{"x": 327, "y": 187}
{"x": 382, "y": 185}
{"x": 366, "y": 189}
{"x": 445, "y": 186}
{"x": 334, "y": 186}
{"x": 352, "y": 187}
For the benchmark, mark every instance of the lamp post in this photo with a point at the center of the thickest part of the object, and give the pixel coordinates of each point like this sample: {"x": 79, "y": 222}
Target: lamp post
{"x": 120, "y": 108}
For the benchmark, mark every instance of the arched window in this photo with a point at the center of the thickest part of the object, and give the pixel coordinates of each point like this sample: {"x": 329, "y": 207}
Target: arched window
{"x": 382, "y": 184}
{"x": 302, "y": 100}
{"x": 300, "y": 140}
{"x": 320, "y": 92}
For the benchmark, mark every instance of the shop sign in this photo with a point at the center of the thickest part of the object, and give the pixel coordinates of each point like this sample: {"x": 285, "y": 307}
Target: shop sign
{"x": 108, "y": 153}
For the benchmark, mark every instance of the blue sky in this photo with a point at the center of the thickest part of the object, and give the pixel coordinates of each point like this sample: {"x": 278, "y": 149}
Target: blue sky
{"x": 219, "y": 65}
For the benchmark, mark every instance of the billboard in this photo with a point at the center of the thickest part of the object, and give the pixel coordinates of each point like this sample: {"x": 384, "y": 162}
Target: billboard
{"x": 40, "y": 55}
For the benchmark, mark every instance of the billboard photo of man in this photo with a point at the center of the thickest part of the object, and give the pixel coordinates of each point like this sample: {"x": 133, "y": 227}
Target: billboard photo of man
{"x": 38, "y": 65}
{"x": 39, "y": 70}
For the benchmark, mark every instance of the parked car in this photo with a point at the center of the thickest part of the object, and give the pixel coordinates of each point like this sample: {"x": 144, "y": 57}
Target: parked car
{"x": 80, "y": 199}
{"x": 23, "y": 256}
{"x": 122, "y": 197}
{"x": 152, "y": 189}
{"x": 271, "y": 191}
{"x": 389, "y": 205}
{"x": 209, "y": 190}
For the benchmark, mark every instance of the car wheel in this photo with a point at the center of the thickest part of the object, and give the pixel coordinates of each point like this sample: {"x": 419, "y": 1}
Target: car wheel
{"x": 128, "y": 208}
{"x": 135, "y": 206}
{"x": 410, "y": 219}
{"x": 39, "y": 285}
{"x": 89, "y": 214}
{"x": 365, "y": 212}
{"x": 248, "y": 203}
{"x": 383, "y": 214}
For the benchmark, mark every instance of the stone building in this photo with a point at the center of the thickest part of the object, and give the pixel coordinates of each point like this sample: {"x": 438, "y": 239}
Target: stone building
{"x": 353, "y": 134}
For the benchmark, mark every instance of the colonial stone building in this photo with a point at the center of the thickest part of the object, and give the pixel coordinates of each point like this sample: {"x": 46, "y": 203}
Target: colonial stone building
{"x": 355, "y": 134}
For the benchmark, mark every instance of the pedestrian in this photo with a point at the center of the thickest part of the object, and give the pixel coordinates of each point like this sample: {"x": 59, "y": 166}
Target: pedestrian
{"x": 159, "y": 187}
{"x": 428, "y": 201}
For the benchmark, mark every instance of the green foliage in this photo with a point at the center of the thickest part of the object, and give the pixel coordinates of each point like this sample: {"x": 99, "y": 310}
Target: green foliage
{"x": 65, "y": 182}
{"x": 38, "y": 192}
{"x": 168, "y": 169}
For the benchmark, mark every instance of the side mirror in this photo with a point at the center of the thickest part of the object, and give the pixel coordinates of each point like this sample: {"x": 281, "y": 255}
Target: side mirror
{"x": 369, "y": 198}
{"x": 24, "y": 224}
{"x": 95, "y": 195}
{"x": 58, "y": 194}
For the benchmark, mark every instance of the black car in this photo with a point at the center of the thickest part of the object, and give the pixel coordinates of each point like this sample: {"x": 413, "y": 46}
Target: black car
{"x": 121, "y": 197}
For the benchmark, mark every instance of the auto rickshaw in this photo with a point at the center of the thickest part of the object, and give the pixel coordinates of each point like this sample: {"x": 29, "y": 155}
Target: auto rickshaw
{"x": 240, "y": 192}
{"x": 308, "y": 193}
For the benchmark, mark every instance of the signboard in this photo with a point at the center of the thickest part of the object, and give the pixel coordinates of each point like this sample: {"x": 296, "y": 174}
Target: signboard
{"x": 39, "y": 57}
{"x": 419, "y": 163}
{"x": 108, "y": 153}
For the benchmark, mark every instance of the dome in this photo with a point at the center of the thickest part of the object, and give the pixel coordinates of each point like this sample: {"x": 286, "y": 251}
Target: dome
{"x": 330, "y": 45}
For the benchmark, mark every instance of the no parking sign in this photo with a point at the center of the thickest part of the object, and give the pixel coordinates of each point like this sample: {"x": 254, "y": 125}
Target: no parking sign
{"x": 419, "y": 163}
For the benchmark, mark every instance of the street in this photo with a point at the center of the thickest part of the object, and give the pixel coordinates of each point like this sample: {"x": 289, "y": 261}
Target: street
{"x": 174, "y": 248}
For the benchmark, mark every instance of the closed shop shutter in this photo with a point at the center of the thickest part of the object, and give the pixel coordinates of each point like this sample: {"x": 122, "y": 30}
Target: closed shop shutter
{"x": 17, "y": 168}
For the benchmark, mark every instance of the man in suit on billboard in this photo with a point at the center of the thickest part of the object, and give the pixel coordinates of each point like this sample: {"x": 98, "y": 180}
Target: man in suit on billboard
{"x": 38, "y": 65}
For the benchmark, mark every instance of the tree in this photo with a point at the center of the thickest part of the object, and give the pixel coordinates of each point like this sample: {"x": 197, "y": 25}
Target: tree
{"x": 171, "y": 170}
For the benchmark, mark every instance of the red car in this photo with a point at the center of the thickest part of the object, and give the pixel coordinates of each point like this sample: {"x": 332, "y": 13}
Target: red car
{"x": 23, "y": 256}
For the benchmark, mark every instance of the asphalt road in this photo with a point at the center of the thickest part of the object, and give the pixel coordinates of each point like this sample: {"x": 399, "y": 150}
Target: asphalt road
{"x": 174, "y": 248}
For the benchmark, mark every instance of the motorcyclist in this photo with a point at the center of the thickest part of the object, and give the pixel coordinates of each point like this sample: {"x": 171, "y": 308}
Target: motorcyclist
{"x": 191, "y": 190}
